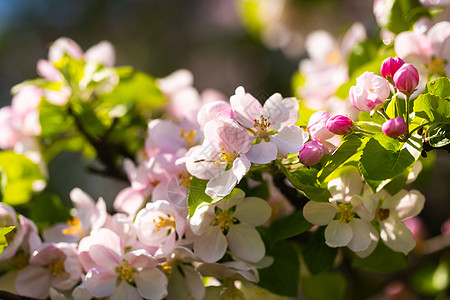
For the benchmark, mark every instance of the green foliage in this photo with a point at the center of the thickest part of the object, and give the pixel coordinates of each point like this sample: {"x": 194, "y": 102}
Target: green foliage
{"x": 432, "y": 108}
{"x": 196, "y": 194}
{"x": 3, "y": 232}
{"x": 439, "y": 87}
{"x": 384, "y": 158}
{"x": 317, "y": 255}
{"x": 431, "y": 279}
{"x": 283, "y": 276}
{"x": 305, "y": 180}
{"x": 362, "y": 53}
{"x": 46, "y": 210}
{"x": 324, "y": 286}
{"x": 382, "y": 259}
{"x": 19, "y": 177}
{"x": 286, "y": 227}
{"x": 403, "y": 14}
{"x": 438, "y": 135}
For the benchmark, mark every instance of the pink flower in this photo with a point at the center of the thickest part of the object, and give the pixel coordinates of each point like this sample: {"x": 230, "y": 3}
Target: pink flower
{"x": 389, "y": 66}
{"x": 406, "y": 79}
{"x": 340, "y": 124}
{"x": 272, "y": 125}
{"x": 131, "y": 275}
{"x": 317, "y": 126}
{"x": 311, "y": 153}
{"x": 221, "y": 158}
{"x": 394, "y": 127}
{"x": 370, "y": 91}
{"x": 51, "y": 265}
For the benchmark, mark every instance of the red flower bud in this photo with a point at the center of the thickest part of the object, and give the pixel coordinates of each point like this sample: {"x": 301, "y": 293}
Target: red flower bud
{"x": 389, "y": 66}
{"x": 311, "y": 153}
{"x": 394, "y": 127}
{"x": 406, "y": 79}
{"x": 339, "y": 124}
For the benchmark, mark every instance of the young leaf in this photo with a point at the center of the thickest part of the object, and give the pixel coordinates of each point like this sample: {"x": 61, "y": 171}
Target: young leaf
{"x": 196, "y": 194}
{"x": 432, "y": 108}
{"x": 317, "y": 255}
{"x": 3, "y": 232}
{"x": 439, "y": 87}
{"x": 282, "y": 277}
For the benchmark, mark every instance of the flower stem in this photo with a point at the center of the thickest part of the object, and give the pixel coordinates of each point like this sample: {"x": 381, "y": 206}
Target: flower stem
{"x": 407, "y": 115}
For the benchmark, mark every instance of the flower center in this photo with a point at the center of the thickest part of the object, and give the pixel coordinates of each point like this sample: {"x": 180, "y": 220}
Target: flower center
{"x": 188, "y": 136}
{"x": 262, "y": 126}
{"x": 185, "y": 178}
{"x": 75, "y": 227}
{"x": 164, "y": 222}
{"x": 56, "y": 267}
{"x": 382, "y": 213}
{"x": 224, "y": 218}
{"x": 126, "y": 272}
{"x": 345, "y": 212}
{"x": 225, "y": 157}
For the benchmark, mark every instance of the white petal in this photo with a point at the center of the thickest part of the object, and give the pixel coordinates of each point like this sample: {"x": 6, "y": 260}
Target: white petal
{"x": 102, "y": 52}
{"x": 288, "y": 140}
{"x": 241, "y": 165}
{"x": 262, "y": 153}
{"x": 151, "y": 283}
{"x": 245, "y": 107}
{"x": 104, "y": 256}
{"x": 374, "y": 237}
{"x": 361, "y": 235}
{"x": 221, "y": 185}
{"x": 194, "y": 282}
{"x": 125, "y": 291}
{"x": 410, "y": 204}
{"x": 245, "y": 242}
{"x": 319, "y": 213}
{"x": 396, "y": 235}
{"x": 338, "y": 234}
{"x": 281, "y": 111}
{"x": 364, "y": 207}
{"x": 253, "y": 211}
{"x": 100, "y": 283}
{"x": 348, "y": 184}
{"x": 211, "y": 245}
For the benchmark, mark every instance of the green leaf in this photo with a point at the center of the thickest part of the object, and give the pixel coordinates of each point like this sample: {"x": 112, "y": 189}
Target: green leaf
{"x": 282, "y": 277}
{"x": 384, "y": 158}
{"x": 382, "y": 259}
{"x": 432, "y": 278}
{"x": 438, "y": 135}
{"x": 72, "y": 70}
{"x": 54, "y": 119}
{"x": 324, "y": 286}
{"x": 432, "y": 108}
{"x": 350, "y": 145}
{"x": 88, "y": 118}
{"x": 3, "y": 232}
{"x": 287, "y": 227}
{"x": 196, "y": 194}
{"x": 302, "y": 180}
{"x": 46, "y": 210}
{"x": 21, "y": 176}
{"x": 439, "y": 87}
{"x": 403, "y": 14}
{"x": 317, "y": 255}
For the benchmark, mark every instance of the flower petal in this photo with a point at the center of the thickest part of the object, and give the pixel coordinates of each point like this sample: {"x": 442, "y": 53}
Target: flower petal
{"x": 253, "y": 211}
{"x": 100, "y": 283}
{"x": 374, "y": 237}
{"x": 33, "y": 282}
{"x": 289, "y": 139}
{"x": 151, "y": 283}
{"x": 245, "y": 242}
{"x": 104, "y": 257}
{"x": 221, "y": 185}
{"x": 338, "y": 234}
{"x": 125, "y": 291}
{"x": 396, "y": 235}
{"x": 361, "y": 235}
{"x": 410, "y": 204}
{"x": 319, "y": 213}
{"x": 262, "y": 153}
{"x": 245, "y": 107}
{"x": 241, "y": 165}
{"x": 211, "y": 245}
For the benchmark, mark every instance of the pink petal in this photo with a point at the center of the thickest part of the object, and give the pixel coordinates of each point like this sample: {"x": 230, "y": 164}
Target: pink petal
{"x": 289, "y": 139}
{"x": 245, "y": 108}
{"x": 227, "y": 134}
{"x": 33, "y": 282}
{"x": 100, "y": 283}
{"x": 105, "y": 257}
{"x": 125, "y": 291}
{"x": 262, "y": 153}
{"x": 151, "y": 283}
{"x": 102, "y": 53}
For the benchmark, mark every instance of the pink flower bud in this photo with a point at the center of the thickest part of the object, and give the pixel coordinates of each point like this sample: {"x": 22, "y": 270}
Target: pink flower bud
{"x": 394, "y": 127}
{"x": 340, "y": 124}
{"x": 369, "y": 92}
{"x": 317, "y": 126}
{"x": 389, "y": 66}
{"x": 311, "y": 153}
{"x": 406, "y": 79}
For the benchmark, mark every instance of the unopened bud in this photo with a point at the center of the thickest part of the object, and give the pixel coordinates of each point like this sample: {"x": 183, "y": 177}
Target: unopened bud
{"x": 394, "y": 127}
{"x": 389, "y": 66}
{"x": 317, "y": 126}
{"x": 406, "y": 79}
{"x": 311, "y": 153}
{"x": 340, "y": 124}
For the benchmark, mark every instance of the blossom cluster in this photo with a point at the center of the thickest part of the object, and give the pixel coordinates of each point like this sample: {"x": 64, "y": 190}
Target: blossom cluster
{"x": 161, "y": 241}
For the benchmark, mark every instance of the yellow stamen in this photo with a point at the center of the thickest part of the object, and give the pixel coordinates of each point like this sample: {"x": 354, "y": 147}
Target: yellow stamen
{"x": 346, "y": 212}
{"x": 189, "y": 137}
{"x": 164, "y": 222}
{"x": 224, "y": 219}
{"x": 126, "y": 272}
{"x": 185, "y": 178}
{"x": 262, "y": 126}
{"x": 56, "y": 267}
{"x": 75, "y": 228}
{"x": 225, "y": 157}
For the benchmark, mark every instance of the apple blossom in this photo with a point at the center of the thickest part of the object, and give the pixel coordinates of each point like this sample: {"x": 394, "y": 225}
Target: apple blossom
{"x": 272, "y": 125}
{"x": 311, "y": 153}
{"x": 394, "y": 127}
{"x": 389, "y": 66}
{"x": 369, "y": 92}
{"x": 221, "y": 158}
{"x": 406, "y": 79}
{"x": 339, "y": 124}
{"x": 230, "y": 223}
